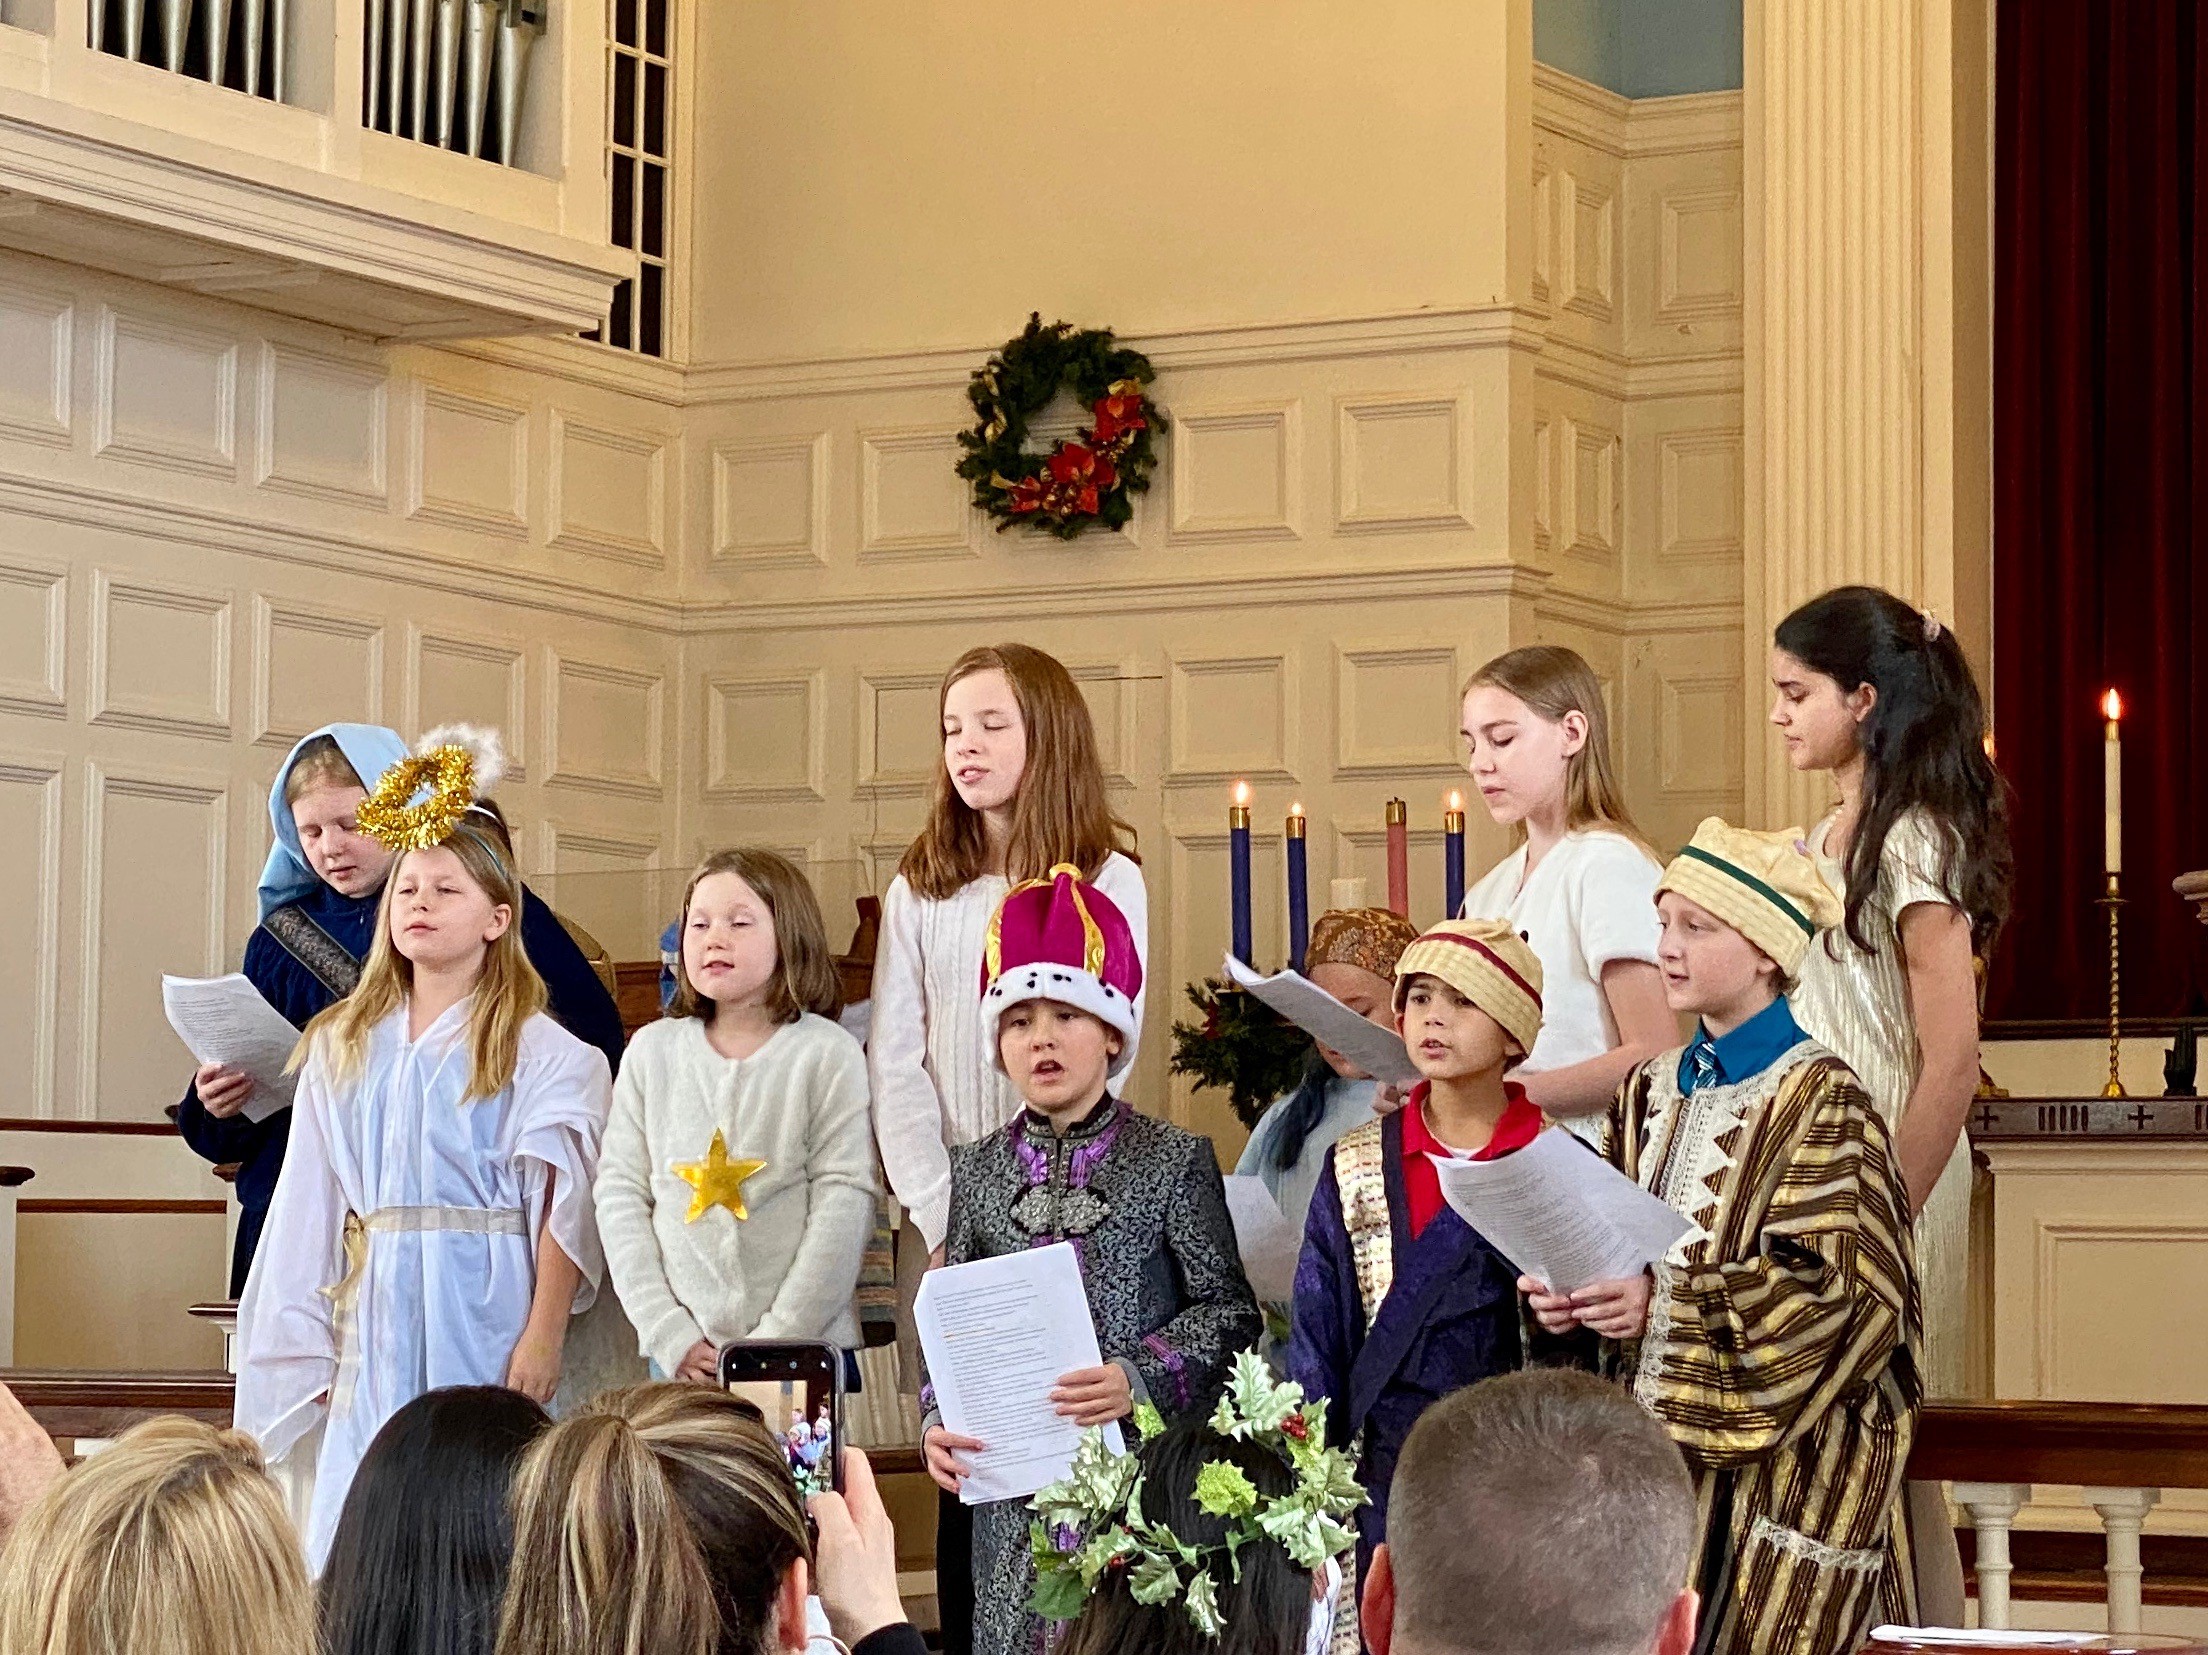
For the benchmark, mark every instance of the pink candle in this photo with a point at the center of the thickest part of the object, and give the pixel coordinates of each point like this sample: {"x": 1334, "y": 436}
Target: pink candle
{"x": 1399, "y": 858}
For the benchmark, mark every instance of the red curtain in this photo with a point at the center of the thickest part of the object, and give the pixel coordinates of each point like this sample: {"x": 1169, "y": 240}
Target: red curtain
{"x": 2101, "y": 489}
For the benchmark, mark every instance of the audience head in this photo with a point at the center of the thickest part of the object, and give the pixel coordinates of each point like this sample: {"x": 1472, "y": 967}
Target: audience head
{"x": 171, "y": 1542}
{"x": 1584, "y": 1517}
{"x": 418, "y": 1566}
{"x": 1537, "y": 740}
{"x": 752, "y": 934}
{"x": 661, "y": 1520}
{"x": 1266, "y": 1612}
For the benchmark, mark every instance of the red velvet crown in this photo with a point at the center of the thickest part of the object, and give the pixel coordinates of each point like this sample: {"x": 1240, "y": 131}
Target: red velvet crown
{"x": 1060, "y": 938}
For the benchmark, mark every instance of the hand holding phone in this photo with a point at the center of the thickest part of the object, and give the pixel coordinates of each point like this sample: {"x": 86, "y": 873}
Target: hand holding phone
{"x": 797, "y": 1386}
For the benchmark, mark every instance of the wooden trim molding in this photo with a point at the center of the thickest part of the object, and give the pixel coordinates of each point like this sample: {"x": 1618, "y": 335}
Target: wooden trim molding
{"x": 113, "y": 1129}
{"x": 2079, "y": 1444}
{"x": 15, "y": 1177}
{"x": 60, "y": 1206}
{"x": 100, "y": 1405}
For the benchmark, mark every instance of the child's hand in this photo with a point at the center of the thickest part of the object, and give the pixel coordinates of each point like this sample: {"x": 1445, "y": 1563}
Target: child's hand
{"x": 1614, "y": 1309}
{"x": 1387, "y": 1099}
{"x": 1094, "y": 1396}
{"x": 701, "y": 1364}
{"x": 1552, "y": 1310}
{"x": 534, "y": 1368}
{"x": 941, "y": 1448}
{"x": 223, "y": 1091}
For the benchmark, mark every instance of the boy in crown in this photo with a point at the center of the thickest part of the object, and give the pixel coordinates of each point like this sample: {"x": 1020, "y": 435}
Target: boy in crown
{"x": 1778, "y": 1339}
{"x": 1142, "y": 1203}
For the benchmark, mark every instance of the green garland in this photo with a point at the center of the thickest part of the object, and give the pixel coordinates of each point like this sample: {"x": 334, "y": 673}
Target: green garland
{"x": 1087, "y": 481}
{"x": 1242, "y": 1045}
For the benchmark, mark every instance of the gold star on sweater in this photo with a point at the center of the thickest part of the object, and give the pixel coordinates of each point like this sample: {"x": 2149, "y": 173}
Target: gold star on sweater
{"x": 717, "y": 1181}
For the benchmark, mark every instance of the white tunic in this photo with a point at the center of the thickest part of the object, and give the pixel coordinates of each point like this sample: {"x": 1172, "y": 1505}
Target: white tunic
{"x": 933, "y": 1083}
{"x": 452, "y": 1196}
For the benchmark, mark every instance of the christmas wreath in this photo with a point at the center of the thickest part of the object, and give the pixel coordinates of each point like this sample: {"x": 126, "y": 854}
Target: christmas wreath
{"x": 1242, "y": 1045}
{"x": 1086, "y": 481}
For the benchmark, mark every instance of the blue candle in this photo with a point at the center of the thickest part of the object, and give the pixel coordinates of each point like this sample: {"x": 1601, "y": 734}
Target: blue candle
{"x": 1452, "y": 855}
{"x": 1238, "y": 869}
{"x": 1299, "y": 891}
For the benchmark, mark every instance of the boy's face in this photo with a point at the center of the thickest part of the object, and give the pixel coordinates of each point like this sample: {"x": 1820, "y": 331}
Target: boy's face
{"x": 1449, "y": 1037}
{"x": 1709, "y": 968}
{"x": 1059, "y": 1058}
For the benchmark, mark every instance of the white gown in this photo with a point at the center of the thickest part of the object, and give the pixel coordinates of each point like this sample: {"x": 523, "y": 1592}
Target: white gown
{"x": 451, "y": 1199}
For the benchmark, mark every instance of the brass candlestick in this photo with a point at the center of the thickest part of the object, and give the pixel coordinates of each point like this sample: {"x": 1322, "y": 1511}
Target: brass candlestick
{"x": 2114, "y": 902}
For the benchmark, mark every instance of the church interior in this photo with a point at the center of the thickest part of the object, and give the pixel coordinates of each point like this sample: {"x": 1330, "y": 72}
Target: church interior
{"x": 597, "y": 370}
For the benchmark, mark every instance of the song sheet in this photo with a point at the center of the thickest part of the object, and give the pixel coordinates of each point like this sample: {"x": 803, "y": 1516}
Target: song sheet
{"x": 1379, "y": 1052}
{"x": 1270, "y": 1245}
{"x": 225, "y": 1020}
{"x": 1560, "y": 1213}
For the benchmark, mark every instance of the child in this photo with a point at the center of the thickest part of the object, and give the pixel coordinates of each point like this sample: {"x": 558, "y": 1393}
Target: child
{"x": 1398, "y": 1301}
{"x": 434, "y": 1210}
{"x": 1581, "y": 886}
{"x": 1878, "y": 694}
{"x": 736, "y": 1191}
{"x": 318, "y": 906}
{"x": 1018, "y": 790}
{"x": 1141, "y": 1201}
{"x": 1777, "y": 1341}
{"x": 1352, "y": 955}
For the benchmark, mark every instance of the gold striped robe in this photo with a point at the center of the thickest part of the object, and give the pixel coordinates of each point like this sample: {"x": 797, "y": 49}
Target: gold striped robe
{"x": 1782, "y": 1344}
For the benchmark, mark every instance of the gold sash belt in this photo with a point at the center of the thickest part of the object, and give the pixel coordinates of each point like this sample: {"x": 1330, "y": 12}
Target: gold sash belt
{"x": 392, "y": 1220}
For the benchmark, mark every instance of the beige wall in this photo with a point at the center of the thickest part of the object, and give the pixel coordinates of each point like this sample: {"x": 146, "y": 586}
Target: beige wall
{"x": 925, "y": 177}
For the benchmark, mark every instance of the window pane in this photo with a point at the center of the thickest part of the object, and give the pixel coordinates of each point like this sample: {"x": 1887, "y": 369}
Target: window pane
{"x": 650, "y": 303}
{"x": 624, "y": 21}
{"x": 617, "y": 325}
{"x": 655, "y": 27}
{"x": 655, "y": 110}
{"x": 624, "y": 100}
{"x": 624, "y": 201}
{"x": 654, "y": 240}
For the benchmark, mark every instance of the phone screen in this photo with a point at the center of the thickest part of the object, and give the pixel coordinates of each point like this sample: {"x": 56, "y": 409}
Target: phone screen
{"x": 798, "y": 1387}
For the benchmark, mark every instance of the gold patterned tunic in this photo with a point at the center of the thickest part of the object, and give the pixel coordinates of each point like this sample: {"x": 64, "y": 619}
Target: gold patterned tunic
{"x": 1781, "y": 1345}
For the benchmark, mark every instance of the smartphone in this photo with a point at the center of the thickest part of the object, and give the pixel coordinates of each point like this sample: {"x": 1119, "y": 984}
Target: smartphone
{"x": 798, "y": 1385}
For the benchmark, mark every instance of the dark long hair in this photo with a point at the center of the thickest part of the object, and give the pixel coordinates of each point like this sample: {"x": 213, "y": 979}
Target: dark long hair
{"x": 1268, "y": 1611}
{"x": 1301, "y": 1111}
{"x": 1924, "y": 748}
{"x": 418, "y": 1565}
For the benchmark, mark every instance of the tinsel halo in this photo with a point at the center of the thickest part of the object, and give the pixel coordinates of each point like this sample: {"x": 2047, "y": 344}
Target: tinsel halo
{"x": 453, "y": 766}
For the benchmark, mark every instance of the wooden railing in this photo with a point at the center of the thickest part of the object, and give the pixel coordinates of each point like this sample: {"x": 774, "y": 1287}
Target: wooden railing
{"x": 2120, "y": 1455}
{"x": 96, "y": 1407}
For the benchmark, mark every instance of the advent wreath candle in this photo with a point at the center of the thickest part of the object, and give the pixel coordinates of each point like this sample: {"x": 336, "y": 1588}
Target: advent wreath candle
{"x": 1238, "y": 869}
{"x": 1299, "y": 889}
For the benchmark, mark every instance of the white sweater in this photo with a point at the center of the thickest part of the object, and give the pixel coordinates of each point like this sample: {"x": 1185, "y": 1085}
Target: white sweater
{"x": 788, "y": 1270}
{"x": 934, "y": 1081}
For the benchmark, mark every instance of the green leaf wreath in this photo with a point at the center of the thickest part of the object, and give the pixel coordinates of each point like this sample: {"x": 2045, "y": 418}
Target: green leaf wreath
{"x": 1086, "y": 481}
{"x": 1241, "y": 1045}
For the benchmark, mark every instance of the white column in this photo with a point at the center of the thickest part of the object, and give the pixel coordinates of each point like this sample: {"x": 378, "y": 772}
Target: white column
{"x": 2123, "y": 1512}
{"x": 1993, "y": 1507}
{"x": 1868, "y": 206}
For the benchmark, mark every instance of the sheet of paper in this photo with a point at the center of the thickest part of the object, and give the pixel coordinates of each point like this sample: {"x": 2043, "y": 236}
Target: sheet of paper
{"x": 998, "y": 1334}
{"x": 1561, "y": 1214}
{"x": 1270, "y": 1244}
{"x": 1379, "y": 1052}
{"x": 225, "y": 1020}
{"x": 1952, "y": 1637}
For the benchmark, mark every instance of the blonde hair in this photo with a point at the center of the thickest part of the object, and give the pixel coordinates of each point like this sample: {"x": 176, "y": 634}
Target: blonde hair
{"x": 805, "y": 977}
{"x": 1060, "y": 813}
{"x": 507, "y": 994}
{"x": 320, "y": 763}
{"x": 658, "y": 1520}
{"x": 172, "y": 1542}
{"x": 1552, "y": 681}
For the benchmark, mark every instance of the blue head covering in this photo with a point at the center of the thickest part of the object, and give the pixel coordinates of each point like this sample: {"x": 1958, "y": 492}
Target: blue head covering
{"x": 371, "y": 750}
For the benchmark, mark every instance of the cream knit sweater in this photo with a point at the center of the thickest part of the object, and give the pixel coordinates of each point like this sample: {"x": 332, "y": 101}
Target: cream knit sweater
{"x": 935, "y": 1083}
{"x": 789, "y": 1269}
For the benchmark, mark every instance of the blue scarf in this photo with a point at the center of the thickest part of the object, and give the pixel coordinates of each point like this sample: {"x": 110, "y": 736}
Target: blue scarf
{"x": 371, "y": 750}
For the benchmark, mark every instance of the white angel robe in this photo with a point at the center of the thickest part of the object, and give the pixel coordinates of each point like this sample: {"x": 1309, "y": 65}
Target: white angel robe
{"x": 451, "y": 1198}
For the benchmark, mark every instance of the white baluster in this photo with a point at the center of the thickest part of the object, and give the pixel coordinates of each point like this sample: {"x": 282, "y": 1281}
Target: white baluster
{"x": 2123, "y": 1511}
{"x": 1993, "y": 1507}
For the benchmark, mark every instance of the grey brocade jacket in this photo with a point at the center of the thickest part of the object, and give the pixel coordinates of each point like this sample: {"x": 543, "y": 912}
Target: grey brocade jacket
{"x": 1146, "y": 1210}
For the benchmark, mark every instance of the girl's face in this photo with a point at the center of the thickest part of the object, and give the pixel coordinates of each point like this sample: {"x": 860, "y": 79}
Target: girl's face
{"x": 729, "y": 949}
{"x": 984, "y": 740}
{"x": 1059, "y": 1058}
{"x": 441, "y": 919}
{"x": 1820, "y": 721}
{"x": 1519, "y": 760}
{"x": 1710, "y": 969}
{"x": 342, "y": 857}
{"x": 1366, "y": 995}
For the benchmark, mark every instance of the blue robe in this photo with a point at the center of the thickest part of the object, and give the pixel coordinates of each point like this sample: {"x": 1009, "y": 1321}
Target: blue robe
{"x": 1449, "y": 1319}
{"x": 579, "y": 1003}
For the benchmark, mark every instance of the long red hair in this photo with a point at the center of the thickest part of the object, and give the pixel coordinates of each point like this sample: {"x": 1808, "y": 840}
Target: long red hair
{"x": 1060, "y": 813}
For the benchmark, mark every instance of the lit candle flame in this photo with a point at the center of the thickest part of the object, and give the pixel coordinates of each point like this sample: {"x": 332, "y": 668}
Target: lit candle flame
{"x": 1295, "y": 809}
{"x": 2112, "y": 706}
{"x": 1456, "y": 799}
{"x": 1242, "y": 793}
